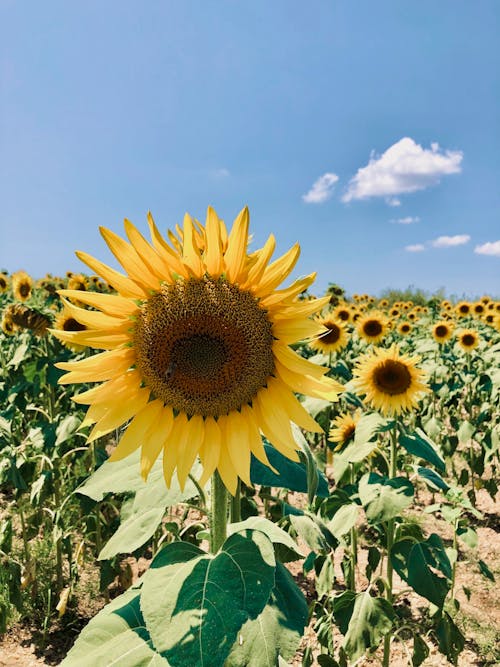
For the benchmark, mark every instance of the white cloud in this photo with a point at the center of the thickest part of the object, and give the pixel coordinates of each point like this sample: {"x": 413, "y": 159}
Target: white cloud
{"x": 404, "y": 167}
{"x": 321, "y": 190}
{"x": 417, "y": 247}
{"x": 219, "y": 173}
{"x": 490, "y": 248}
{"x": 450, "y": 241}
{"x": 406, "y": 221}
{"x": 392, "y": 201}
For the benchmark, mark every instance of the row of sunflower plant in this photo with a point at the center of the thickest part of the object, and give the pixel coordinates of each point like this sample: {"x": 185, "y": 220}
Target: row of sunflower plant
{"x": 204, "y": 396}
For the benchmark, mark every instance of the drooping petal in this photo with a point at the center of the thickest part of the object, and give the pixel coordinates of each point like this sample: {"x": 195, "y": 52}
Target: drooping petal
{"x": 155, "y": 441}
{"x": 275, "y": 427}
{"x": 296, "y": 363}
{"x": 189, "y": 447}
{"x": 279, "y": 392}
{"x": 136, "y": 431}
{"x": 290, "y": 331}
{"x": 324, "y": 387}
{"x": 210, "y": 450}
{"x": 99, "y": 367}
{"x": 111, "y": 304}
{"x": 119, "y": 413}
{"x": 171, "y": 451}
{"x": 94, "y": 319}
{"x": 238, "y": 445}
{"x": 254, "y": 437}
{"x": 95, "y": 339}
{"x": 122, "y": 284}
{"x": 226, "y": 469}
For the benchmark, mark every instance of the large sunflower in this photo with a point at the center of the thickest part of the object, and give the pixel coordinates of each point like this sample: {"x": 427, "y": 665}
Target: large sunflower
{"x": 333, "y": 336}
{"x": 372, "y": 327}
{"x": 468, "y": 339}
{"x": 197, "y": 349}
{"x": 391, "y": 381}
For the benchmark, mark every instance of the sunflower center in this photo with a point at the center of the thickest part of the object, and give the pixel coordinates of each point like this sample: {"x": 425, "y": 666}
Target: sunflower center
{"x": 343, "y": 315}
{"x": 70, "y": 324}
{"x": 332, "y": 335}
{"x": 372, "y": 328}
{"x": 464, "y": 309}
{"x": 441, "y": 331}
{"x": 468, "y": 340}
{"x": 392, "y": 377}
{"x": 24, "y": 290}
{"x": 203, "y": 346}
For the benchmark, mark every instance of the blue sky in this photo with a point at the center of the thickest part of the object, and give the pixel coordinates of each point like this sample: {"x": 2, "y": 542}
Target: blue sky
{"x": 367, "y": 131}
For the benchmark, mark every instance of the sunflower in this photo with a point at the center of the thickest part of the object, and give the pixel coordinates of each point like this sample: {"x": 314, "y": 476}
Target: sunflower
{"x": 404, "y": 328}
{"x": 342, "y": 313}
{"x": 197, "y": 349}
{"x": 383, "y": 303}
{"x": 490, "y": 318}
{"x": 77, "y": 281}
{"x": 463, "y": 309}
{"x": 372, "y": 327}
{"x": 343, "y": 429}
{"x": 478, "y": 308}
{"x": 333, "y": 337}
{"x": 391, "y": 381}
{"x": 8, "y": 327}
{"x": 394, "y": 312}
{"x": 468, "y": 339}
{"x": 66, "y": 322}
{"x": 22, "y": 285}
{"x": 442, "y": 331}
{"x": 4, "y": 282}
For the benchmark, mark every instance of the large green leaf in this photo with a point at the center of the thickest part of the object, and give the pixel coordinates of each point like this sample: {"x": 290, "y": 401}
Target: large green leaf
{"x": 276, "y": 631}
{"x": 368, "y": 427}
{"x": 116, "y": 636}
{"x": 276, "y": 534}
{"x": 133, "y": 533}
{"x": 314, "y": 532}
{"x": 344, "y": 519}
{"x": 419, "y": 444}
{"x": 363, "y": 619}
{"x": 451, "y": 641}
{"x": 195, "y": 603}
{"x": 384, "y": 498}
{"x": 292, "y": 475}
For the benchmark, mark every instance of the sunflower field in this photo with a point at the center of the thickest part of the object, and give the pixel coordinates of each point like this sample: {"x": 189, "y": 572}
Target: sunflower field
{"x": 203, "y": 466}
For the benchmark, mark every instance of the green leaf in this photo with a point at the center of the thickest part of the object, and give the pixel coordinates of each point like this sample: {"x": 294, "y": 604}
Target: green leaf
{"x": 451, "y": 641}
{"x": 292, "y": 475}
{"x": 432, "y": 479}
{"x": 19, "y": 356}
{"x": 195, "y": 603}
{"x": 384, "y": 498}
{"x": 314, "y": 532}
{"x": 420, "y": 445}
{"x": 276, "y": 631}
{"x": 67, "y": 428}
{"x": 485, "y": 570}
{"x": 370, "y": 619}
{"x": 133, "y": 533}
{"x": 466, "y": 431}
{"x": 368, "y": 427}
{"x": 416, "y": 562}
{"x": 420, "y": 651}
{"x": 116, "y": 636}
{"x": 469, "y": 536}
{"x": 344, "y": 519}
{"x": 276, "y": 534}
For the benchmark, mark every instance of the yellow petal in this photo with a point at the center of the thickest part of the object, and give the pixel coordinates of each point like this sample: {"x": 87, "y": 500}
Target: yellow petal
{"x": 94, "y": 319}
{"x": 89, "y": 338}
{"x": 213, "y": 251}
{"x": 324, "y": 387}
{"x": 235, "y": 256}
{"x": 119, "y": 413}
{"x": 155, "y": 441}
{"x": 189, "y": 447}
{"x": 276, "y": 428}
{"x": 275, "y": 299}
{"x": 130, "y": 260}
{"x": 136, "y": 431}
{"x": 127, "y": 383}
{"x": 301, "y": 309}
{"x": 190, "y": 251}
{"x": 295, "y": 411}
{"x": 254, "y": 438}
{"x": 121, "y": 283}
{"x": 171, "y": 451}
{"x": 276, "y": 272}
{"x": 226, "y": 470}
{"x": 210, "y": 450}
{"x": 165, "y": 251}
{"x": 290, "y": 331}
{"x": 236, "y": 436}
{"x": 295, "y": 362}
{"x": 111, "y": 304}
{"x": 258, "y": 267}
{"x": 99, "y": 367}
{"x": 147, "y": 253}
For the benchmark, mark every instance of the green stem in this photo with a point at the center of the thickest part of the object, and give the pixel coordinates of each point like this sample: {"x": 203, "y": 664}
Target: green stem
{"x": 218, "y": 514}
{"x": 390, "y": 541}
{"x": 25, "y": 537}
{"x": 235, "y": 506}
{"x": 354, "y": 546}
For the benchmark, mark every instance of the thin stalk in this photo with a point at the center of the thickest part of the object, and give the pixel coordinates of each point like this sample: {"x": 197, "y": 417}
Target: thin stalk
{"x": 390, "y": 542}
{"x": 235, "y": 506}
{"x": 454, "y": 566}
{"x": 25, "y": 537}
{"x": 354, "y": 546}
{"x": 218, "y": 514}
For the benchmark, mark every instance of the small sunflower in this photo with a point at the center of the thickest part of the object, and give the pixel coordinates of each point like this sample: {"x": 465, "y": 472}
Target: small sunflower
{"x": 478, "y": 308}
{"x": 442, "y": 331}
{"x": 343, "y": 429}
{"x": 468, "y": 339}
{"x": 490, "y": 318}
{"x": 383, "y": 303}
{"x": 65, "y": 321}
{"x": 372, "y": 327}
{"x": 196, "y": 349}
{"x": 342, "y": 313}
{"x": 335, "y": 337}
{"x": 77, "y": 281}
{"x": 404, "y": 328}
{"x": 391, "y": 381}
{"x": 4, "y": 282}
{"x": 8, "y": 327}
{"x": 22, "y": 285}
{"x": 463, "y": 309}
{"x": 394, "y": 312}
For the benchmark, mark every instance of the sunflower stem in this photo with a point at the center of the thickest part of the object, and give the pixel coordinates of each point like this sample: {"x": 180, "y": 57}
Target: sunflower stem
{"x": 390, "y": 541}
{"x": 354, "y": 543}
{"x": 218, "y": 514}
{"x": 236, "y": 504}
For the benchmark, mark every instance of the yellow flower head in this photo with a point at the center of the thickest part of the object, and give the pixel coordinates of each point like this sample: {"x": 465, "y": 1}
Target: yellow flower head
{"x": 343, "y": 429}
{"x": 22, "y": 285}
{"x": 77, "y": 281}
{"x": 404, "y": 328}
{"x": 342, "y": 313}
{"x": 463, "y": 309}
{"x": 196, "y": 349}
{"x": 391, "y": 381}
{"x": 333, "y": 337}
{"x": 442, "y": 331}
{"x": 4, "y": 282}
{"x": 468, "y": 339}
{"x": 65, "y": 321}
{"x": 372, "y": 327}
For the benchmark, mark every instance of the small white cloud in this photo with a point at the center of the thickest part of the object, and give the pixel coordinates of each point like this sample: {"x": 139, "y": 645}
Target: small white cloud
{"x": 321, "y": 190}
{"x": 417, "y": 247}
{"x": 219, "y": 173}
{"x": 392, "y": 201}
{"x": 409, "y": 220}
{"x": 450, "y": 241}
{"x": 490, "y": 248}
{"x": 404, "y": 167}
